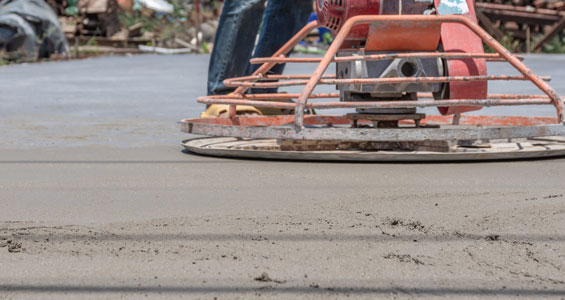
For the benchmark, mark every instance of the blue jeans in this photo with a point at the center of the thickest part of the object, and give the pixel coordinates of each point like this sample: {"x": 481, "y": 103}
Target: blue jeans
{"x": 235, "y": 38}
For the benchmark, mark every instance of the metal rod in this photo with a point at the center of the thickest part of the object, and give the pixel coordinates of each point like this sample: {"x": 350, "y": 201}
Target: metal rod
{"x": 235, "y": 81}
{"x": 317, "y": 119}
{"x": 494, "y": 96}
{"x": 516, "y": 63}
{"x": 273, "y": 96}
{"x": 380, "y": 104}
{"x": 254, "y": 78}
{"x": 197, "y": 22}
{"x": 322, "y": 66}
{"x": 407, "y": 21}
{"x": 371, "y": 57}
{"x": 373, "y": 134}
{"x": 336, "y": 95}
{"x": 528, "y": 39}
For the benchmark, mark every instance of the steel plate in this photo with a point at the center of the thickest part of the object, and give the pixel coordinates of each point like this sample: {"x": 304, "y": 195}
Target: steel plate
{"x": 545, "y": 147}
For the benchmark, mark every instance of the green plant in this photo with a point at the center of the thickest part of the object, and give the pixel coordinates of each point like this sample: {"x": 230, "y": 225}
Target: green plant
{"x": 131, "y": 18}
{"x": 507, "y": 41}
{"x": 91, "y": 42}
{"x": 179, "y": 11}
{"x": 205, "y": 48}
{"x": 555, "y": 45}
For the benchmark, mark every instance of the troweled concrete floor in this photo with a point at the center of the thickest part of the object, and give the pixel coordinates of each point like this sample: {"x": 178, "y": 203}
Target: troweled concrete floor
{"x": 96, "y": 188}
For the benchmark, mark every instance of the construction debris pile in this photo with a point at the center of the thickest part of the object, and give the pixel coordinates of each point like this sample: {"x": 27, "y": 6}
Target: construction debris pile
{"x": 29, "y": 31}
{"x": 525, "y": 25}
{"x": 36, "y": 29}
{"x": 95, "y": 27}
{"x": 119, "y": 26}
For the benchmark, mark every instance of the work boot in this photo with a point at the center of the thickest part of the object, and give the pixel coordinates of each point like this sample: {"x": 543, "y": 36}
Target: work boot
{"x": 221, "y": 110}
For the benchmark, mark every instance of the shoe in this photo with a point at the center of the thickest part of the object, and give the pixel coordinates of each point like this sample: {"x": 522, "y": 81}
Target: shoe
{"x": 221, "y": 110}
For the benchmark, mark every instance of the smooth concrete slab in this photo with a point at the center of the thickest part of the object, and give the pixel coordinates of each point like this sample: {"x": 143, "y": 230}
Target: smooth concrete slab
{"x": 95, "y": 186}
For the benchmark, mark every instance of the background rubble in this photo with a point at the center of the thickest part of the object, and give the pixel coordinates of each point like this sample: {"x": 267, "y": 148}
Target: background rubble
{"x": 525, "y": 25}
{"x": 97, "y": 27}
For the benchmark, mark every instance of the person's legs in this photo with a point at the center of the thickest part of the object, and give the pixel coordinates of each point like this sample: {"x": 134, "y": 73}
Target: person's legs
{"x": 234, "y": 42}
{"x": 281, "y": 21}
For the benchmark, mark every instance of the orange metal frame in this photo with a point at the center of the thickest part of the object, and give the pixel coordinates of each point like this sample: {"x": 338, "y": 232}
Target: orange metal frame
{"x": 258, "y": 78}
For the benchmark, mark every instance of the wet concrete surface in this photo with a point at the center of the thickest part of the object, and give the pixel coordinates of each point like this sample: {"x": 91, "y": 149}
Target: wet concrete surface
{"x": 136, "y": 101}
{"x": 99, "y": 200}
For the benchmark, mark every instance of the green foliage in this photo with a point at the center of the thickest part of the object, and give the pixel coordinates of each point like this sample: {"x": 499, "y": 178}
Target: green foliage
{"x": 205, "y": 47}
{"x": 179, "y": 10}
{"x": 507, "y": 41}
{"x": 91, "y": 42}
{"x": 72, "y": 8}
{"x": 327, "y": 38}
{"x": 150, "y": 23}
{"x": 154, "y": 22}
{"x": 555, "y": 45}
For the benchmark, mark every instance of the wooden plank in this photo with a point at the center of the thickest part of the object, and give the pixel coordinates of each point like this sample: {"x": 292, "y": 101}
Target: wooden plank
{"x": 540, "y": 3}
{"x": 511, "y": 8}
{"x": 489, "y": 26}
{"x": 521, "y": 17}
{"x": 557, "y": 28}
{"x": 107, "y": 50}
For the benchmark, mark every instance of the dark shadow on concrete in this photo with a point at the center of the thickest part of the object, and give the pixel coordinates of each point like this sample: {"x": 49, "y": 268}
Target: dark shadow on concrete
{"x": 112, "y": 162}
{"x": 187, "y": 289}
{"x": 52, "y": 235}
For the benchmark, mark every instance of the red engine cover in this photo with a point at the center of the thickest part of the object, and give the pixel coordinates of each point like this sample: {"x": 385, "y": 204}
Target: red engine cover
{"x": 458, "y": 38}
{"x": 333, "y": 13}
{"x": 454, "y": 37}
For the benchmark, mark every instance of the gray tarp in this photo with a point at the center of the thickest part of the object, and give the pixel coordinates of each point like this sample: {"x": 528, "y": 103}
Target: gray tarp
{"x": 29, "y": 30}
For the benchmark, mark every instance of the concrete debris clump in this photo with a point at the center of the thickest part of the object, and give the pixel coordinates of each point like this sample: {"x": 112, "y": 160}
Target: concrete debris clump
{"x": 13, "y": 247}
{"x": 266, "y": 278}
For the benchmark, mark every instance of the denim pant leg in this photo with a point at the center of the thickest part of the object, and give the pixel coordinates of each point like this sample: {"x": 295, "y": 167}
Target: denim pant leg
{"x": 233, "y": 45}
{"x": 281, "y": 21}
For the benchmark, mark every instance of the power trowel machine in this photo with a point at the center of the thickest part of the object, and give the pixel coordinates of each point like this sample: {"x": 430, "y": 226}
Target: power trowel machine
{"x": 393, "y": 59}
